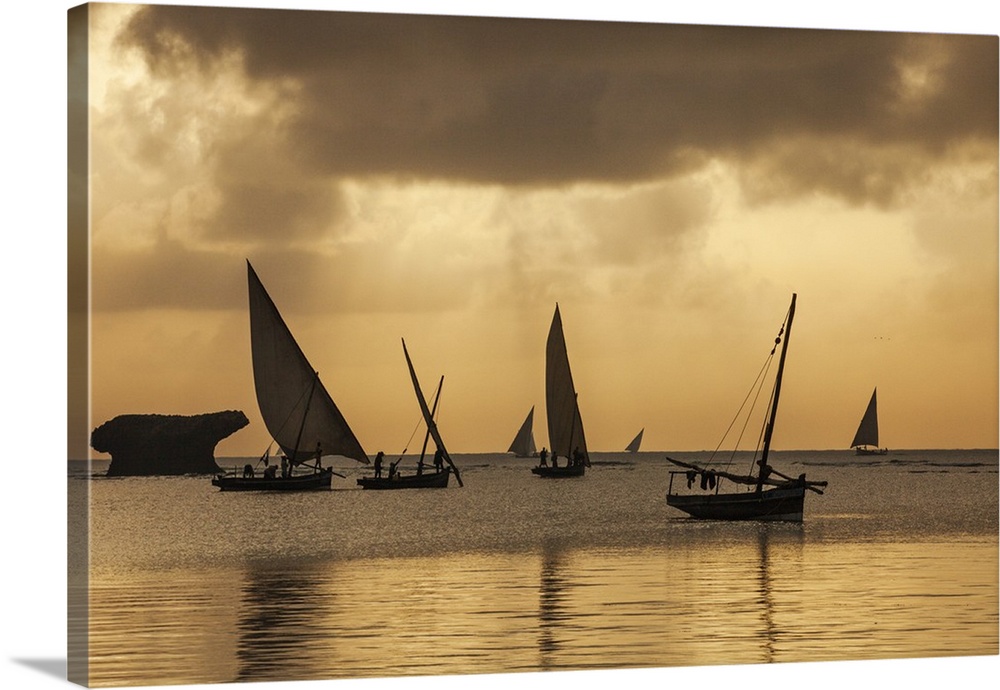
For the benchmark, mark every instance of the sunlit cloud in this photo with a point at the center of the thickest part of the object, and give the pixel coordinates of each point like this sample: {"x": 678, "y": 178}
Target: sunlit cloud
{"x": 451, "y": 179}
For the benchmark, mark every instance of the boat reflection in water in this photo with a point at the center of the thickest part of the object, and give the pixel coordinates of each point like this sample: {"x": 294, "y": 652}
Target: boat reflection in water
{"x": 512, "y": 574}
{"x": 552, "y": 593}
{"x": 279, "y": 628}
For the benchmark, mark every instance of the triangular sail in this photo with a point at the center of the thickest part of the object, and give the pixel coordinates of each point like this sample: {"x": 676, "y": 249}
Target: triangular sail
{"x": 297, "y": 410}
{"x": 428, "y": 417}
{"x": 867, "y": 434}
{"x": 565, "y": 425}
{"x": 523, "y": 444}
{"x": 633, "y": 447}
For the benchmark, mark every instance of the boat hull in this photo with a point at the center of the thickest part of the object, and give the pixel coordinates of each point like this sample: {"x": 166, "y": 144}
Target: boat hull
{"x": 305, "y": 482}
{"x": 428, "y": 480}
{"x": 778, "y": 504}
{"x": 564, "y": 471}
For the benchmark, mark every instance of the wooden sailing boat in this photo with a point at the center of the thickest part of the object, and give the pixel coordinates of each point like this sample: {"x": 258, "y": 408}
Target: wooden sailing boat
{"x": 866, "y": 439}
{"x": 296, "y": 408}
{"x": 523, "y": 445}
{"x": 633, "y": 447}
{"x": 783, "y": 501}
{"x": 566, "y": 438}
{"x": 438, "y": 479}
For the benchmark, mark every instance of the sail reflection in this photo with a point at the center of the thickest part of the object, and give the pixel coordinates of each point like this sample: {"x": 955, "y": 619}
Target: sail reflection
{"x": 551, "y": 605}
{"x": 279, "y": 626}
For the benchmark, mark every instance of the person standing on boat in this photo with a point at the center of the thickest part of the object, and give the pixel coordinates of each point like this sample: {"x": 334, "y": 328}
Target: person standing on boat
{"x": 378, "y": 464}
{"x": 577, "y": 457}
{"x": 392, "y": 469}
{"x": 319, "y": 455}
{"x": 284, "y": 466}
{"x": 543, "y": 456}
{"x": 438, "y": 460}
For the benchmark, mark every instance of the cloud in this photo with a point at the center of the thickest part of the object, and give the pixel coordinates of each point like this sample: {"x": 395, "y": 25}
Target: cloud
{"x": 526, "y": 102}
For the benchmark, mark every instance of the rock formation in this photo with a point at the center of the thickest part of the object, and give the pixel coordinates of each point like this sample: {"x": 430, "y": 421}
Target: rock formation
{"x": 156, "y": 444}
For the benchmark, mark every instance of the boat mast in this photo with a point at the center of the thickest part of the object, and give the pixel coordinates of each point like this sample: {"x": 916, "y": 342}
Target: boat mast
{"x": 427, "y": 434}
{"x": 305, "y": 416}
{"x": 572, "y": 428}
{"x": 777, "y": 382}
{"x": 428, "y": 417}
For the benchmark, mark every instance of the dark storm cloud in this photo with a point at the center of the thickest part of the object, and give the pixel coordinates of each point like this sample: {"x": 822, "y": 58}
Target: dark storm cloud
{"x": 538, "y": 101}
{"x": 264, "y": 195}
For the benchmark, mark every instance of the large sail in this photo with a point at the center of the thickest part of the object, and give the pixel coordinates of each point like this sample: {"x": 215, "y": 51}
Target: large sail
{"x": 523, "y": 445}
{"x": 429, "y": 417}
{"x": 297, "y": 410}
{"x": 633, "y": 447}
{"x": 867, "y": 434}
{"x": 565, "y": 425}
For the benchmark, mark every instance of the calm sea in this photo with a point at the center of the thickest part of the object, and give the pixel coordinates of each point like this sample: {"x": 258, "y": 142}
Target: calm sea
{"x": 898, "y": 559}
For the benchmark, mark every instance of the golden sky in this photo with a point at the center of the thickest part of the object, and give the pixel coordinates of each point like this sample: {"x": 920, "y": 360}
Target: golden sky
{"x": 448, "y": 180}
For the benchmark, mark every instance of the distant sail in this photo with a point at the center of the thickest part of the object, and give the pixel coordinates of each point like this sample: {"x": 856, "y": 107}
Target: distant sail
{"x": 634, "y": 446}
{"x": 565, "y": 424}
{"x": 867, "y": 434}
{"x": 297, "y": 410}
{"x": 523, "y": 445}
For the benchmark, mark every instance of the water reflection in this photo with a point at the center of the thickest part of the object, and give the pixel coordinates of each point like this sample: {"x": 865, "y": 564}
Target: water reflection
{"x": 766, "y": 597}
{"x": 779, "y": 552}
{"x": 551, "y": 605}
{"x": 279, "y": 622}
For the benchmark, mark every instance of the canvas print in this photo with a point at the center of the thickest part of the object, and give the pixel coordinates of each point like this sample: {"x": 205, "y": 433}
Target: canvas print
{"x": 422, "y": 345}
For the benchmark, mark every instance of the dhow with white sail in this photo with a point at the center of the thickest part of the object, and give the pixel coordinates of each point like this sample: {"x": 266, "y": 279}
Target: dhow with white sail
{"x": 866, "y": 438}
{"x": 296, "y": 408}
{"x": 566, "y": 437}
{"x": 523, "y": 445}
{"x": 633, "y": 447}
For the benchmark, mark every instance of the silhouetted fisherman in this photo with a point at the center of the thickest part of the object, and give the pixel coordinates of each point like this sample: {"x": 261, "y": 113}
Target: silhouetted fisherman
{"x": 378, "y": 464}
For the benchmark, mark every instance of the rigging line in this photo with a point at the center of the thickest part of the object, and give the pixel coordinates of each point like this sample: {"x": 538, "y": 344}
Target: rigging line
{"x": 410, "y": 440}
{"x": 266, "y": 453}
{"x": 763, "y": 431}
{"x": 746, "y": 421}
{"x": 774, "y": 389}
{"x": 308, "y": 390}
{"x": 757, "y": 383}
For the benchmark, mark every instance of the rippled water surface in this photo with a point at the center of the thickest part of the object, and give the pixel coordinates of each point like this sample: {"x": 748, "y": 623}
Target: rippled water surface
{"x": 187, "y": 585}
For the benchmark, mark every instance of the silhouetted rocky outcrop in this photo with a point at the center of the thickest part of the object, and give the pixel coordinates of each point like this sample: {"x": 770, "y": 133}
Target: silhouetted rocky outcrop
{"x": 157, "y": 444}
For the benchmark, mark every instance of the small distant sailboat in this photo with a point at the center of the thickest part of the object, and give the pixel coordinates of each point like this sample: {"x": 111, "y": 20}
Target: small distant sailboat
{"x": 297, "y": 410}
{"x": 866, "y": 439}
{"x": 523, "y": 445}
{"x": 782, "y": 501}
{"x": 566, "y": 436}
{"x": 633, "y": 447}
{"x": 438, "y": 479}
